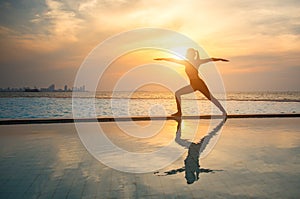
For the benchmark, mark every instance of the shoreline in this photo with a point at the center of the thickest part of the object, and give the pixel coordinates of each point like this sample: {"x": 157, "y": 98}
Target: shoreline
{"x": 138, "y": 118}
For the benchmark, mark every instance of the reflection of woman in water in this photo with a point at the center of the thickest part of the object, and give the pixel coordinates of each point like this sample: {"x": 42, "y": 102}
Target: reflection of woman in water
{"x": 192, "y": 64}
{"x": 191, "y": 163}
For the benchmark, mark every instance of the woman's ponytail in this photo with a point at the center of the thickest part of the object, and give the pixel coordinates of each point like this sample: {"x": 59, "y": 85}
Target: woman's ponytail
{"x": 197, "y": 55}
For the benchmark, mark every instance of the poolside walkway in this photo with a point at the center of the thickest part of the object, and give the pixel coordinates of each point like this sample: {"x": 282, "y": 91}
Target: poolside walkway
{"x": 253, "y": 158}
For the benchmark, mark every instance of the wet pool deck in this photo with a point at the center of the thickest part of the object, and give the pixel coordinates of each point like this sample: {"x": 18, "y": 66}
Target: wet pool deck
{"x": 253, "y": 158}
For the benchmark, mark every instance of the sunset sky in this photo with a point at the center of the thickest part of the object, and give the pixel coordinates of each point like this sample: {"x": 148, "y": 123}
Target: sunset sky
{"x": 45, "y": 42}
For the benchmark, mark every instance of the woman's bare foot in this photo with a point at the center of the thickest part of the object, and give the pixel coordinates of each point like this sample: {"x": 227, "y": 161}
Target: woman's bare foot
{"x": 177, "y": 114}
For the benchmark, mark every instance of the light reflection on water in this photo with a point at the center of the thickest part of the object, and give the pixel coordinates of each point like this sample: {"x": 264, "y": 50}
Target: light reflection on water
{"x": 252, "y": 154}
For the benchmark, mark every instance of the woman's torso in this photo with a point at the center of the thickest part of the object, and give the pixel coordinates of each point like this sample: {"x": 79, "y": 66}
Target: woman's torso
{"x": 191, "y": 71}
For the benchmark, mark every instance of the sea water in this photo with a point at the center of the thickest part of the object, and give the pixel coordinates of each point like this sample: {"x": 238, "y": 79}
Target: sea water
{"x": 21, "y": 105}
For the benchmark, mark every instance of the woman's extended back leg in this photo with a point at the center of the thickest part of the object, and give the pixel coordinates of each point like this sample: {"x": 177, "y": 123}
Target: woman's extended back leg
{"x": 205, "y": 91}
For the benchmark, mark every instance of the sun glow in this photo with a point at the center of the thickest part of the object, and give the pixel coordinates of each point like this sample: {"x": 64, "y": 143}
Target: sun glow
{"x": 178, "y": 52}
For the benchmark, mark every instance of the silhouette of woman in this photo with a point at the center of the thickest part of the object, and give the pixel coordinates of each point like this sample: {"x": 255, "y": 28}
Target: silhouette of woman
{"x": 192, "y": 64}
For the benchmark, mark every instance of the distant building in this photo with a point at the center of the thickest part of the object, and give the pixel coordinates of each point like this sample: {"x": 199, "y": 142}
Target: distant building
{"x": 51, "y": 88}
{"x": 66, "y": 88}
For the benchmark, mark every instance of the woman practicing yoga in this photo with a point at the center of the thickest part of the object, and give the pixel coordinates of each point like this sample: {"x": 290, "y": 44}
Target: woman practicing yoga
{"x": 192, "y": 63}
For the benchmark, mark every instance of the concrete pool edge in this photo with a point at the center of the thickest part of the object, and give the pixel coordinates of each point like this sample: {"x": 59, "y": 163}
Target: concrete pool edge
{"x": 137, "y": 118}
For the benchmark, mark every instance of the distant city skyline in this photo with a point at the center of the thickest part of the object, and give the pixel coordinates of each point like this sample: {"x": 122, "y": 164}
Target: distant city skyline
{"x": 50, "y": 88}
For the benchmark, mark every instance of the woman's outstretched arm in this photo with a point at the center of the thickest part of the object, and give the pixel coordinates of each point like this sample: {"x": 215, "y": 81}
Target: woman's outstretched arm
{"x": 178, "y": 61}
{"x": 203, "y": 61}
{"x": 219, "y": 59}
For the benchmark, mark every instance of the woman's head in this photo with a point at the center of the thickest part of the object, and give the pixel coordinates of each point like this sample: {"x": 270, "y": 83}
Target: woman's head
{"x": 192, "y": 54}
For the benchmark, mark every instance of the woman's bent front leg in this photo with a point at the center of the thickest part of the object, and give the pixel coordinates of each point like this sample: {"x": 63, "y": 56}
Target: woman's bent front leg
{"x": 182, "y": 91}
